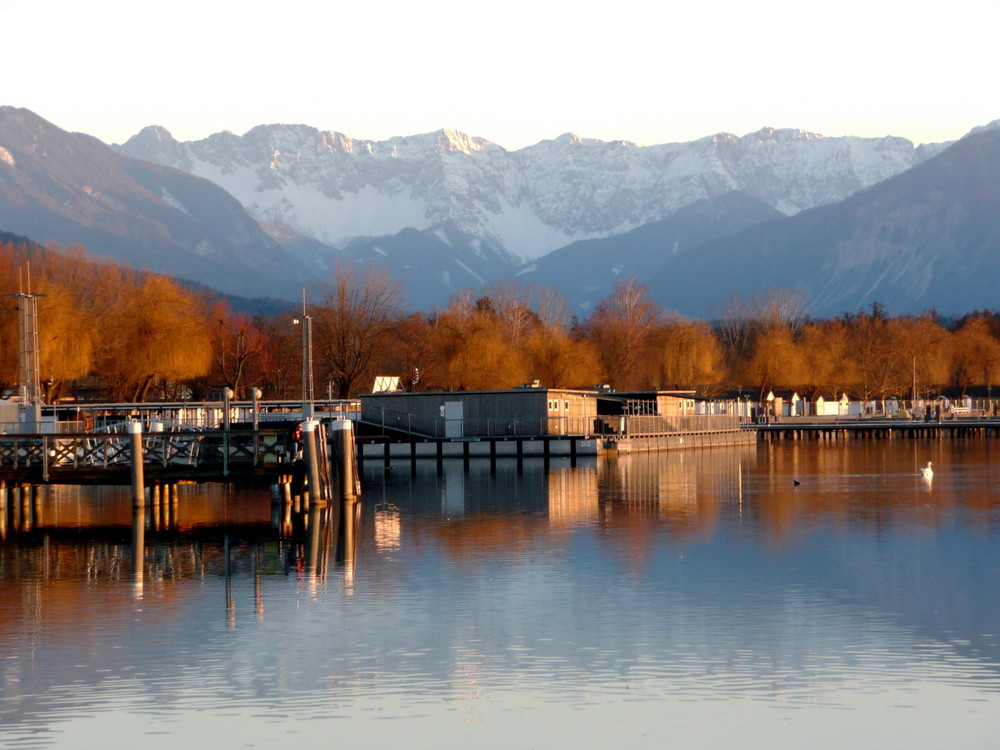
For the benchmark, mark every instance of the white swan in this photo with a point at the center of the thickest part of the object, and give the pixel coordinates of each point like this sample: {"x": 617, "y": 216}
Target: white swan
{"x": 927, "y": 472}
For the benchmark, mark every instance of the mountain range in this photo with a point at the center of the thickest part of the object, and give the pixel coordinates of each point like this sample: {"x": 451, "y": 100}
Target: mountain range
{"x": 73, "y": 189}
{"x": 928, "y": 238}
{"x": 844, "y": 220}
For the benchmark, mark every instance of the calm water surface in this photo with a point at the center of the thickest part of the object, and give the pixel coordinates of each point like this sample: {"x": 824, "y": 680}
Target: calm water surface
{"x": 690, "y": 600}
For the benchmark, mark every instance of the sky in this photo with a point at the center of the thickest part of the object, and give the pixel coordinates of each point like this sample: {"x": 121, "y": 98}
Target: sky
{"x": 515, "y": 72}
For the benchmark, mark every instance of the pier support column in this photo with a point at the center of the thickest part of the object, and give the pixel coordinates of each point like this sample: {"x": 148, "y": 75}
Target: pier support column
{"x": 138, "y": 478}
{"x": 344, "y": 457}
{"x": 310, "y": 437}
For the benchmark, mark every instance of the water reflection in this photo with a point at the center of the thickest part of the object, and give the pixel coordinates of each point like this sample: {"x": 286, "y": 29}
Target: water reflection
{"x": 522, "y": 603}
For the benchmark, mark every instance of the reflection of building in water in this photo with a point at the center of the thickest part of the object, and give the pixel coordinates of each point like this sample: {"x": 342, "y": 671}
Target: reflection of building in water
{"x": 386, "y": 528}
{"x": 572, "y": 495}
{"x": 686, "y": 488}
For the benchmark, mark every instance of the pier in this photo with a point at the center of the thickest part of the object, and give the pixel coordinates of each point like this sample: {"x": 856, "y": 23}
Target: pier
{"x": 874, "y": 428}
{"x": 297, "y": 464}
{"x": 192, "y": 456}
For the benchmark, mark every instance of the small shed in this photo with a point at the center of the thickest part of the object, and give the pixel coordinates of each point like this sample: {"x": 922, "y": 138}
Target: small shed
{"x": 838, "y": 408}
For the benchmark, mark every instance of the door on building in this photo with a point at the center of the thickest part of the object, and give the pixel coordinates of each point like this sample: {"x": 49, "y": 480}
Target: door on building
{"x": 453, "y": 417}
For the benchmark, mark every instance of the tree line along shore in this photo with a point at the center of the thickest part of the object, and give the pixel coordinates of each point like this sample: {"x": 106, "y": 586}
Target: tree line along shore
{"x": 112, "y": 333}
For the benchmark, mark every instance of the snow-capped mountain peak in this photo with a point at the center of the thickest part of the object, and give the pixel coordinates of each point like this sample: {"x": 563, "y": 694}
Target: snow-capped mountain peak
{"x": 331, "y": 187}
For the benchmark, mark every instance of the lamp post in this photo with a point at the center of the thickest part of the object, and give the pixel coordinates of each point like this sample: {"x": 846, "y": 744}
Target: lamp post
{"x": 307, "y": 364}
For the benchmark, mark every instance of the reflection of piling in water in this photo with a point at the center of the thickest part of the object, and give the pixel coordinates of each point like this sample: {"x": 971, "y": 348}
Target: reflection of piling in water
{"x": 138, "y": 541}
{"x": 24, "y": 492}
{"x": 258, "y": 583}
{"x": 327, "y": 472}
{"x": 3, "y": 510}
{"x": 305, "y": 501}
{"x": 349, "y": 518}
{"x": 317, "y": 532}
{"x": 36, "y": 506}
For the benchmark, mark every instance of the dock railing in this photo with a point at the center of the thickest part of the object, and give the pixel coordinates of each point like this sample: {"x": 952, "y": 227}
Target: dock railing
{"x": 66, "y": 453}
{"x": 652, "y": 425}
{"x": 620, "y": 425}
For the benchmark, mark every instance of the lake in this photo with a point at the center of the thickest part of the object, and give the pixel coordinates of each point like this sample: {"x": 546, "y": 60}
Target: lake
{"x": 798, "y": 595}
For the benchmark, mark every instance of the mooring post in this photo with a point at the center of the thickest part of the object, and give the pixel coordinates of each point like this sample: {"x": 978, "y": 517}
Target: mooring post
{"x": 344, "y": 458}
{"x": 138, "y": 480}
{"x": 310, "y": 443}
{"x": 227, "y": 395}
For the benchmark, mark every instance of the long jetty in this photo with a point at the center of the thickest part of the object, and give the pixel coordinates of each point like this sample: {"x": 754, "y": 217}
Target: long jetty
{"x": 874, "y": 428}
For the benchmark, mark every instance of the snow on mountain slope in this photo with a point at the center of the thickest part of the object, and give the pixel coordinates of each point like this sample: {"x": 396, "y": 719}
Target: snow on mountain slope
{"x": 529, "y": 202}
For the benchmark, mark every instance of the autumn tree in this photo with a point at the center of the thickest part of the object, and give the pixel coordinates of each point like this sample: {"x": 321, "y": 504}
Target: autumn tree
{"x": 472, "y": 346}
{"x": 925, "y": 352}
{"x": 689, "y": 354}
{"x": 152, "y": 331}
{"x": 758, "y": 338}
{"x": 512, "y": 305}
{"x": 976, "y": 352}
{"x": 620, "y": 329}
{"x": 881, "y": 363}
{"x": 558, "y": 359}
{"x": 66, "y": 341}
{"x": 775, "y": 361}
{"x": 824, "y": 350}
{"x": 353, "y": 323}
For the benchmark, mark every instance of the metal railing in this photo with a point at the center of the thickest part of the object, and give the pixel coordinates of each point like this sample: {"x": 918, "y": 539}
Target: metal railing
{"x": 59, "y": 453}
{"x": 623, "y": 425}
{"x": 653, "y": 425}
{"x": 202, "y": 415}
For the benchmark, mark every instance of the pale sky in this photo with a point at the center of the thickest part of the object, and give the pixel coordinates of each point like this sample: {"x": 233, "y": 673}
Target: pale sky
{"x": 513, "y": 72}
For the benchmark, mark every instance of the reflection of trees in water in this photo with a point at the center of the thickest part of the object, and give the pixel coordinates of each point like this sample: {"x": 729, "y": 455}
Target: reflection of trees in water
{"x": 484, "y": 512}
{"x": 872, "y": 485}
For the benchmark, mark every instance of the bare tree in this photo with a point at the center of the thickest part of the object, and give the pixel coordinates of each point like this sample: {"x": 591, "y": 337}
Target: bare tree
{"x": 620, "y": 328}
{"x": 552, "y": 307}
{"x": 354, "y": 322}
{"x": 513, "y": 308}
{"x": 778, "y": 308}
{"x": 238, "y": 349}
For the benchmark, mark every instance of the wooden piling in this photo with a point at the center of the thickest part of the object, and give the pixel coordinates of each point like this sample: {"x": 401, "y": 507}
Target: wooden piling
{"x": 344, "y": 458}
{"x": 135, "y": 448}
{"x": 310, "y": 439}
